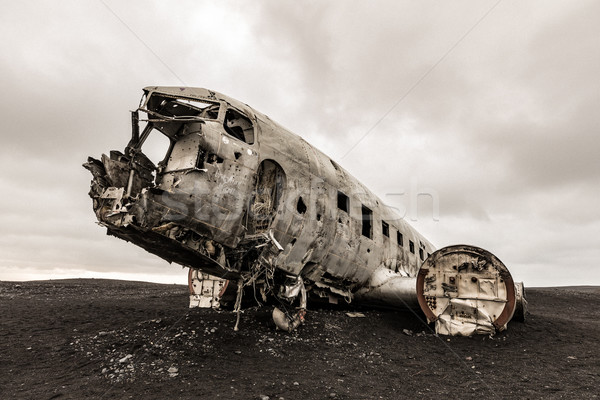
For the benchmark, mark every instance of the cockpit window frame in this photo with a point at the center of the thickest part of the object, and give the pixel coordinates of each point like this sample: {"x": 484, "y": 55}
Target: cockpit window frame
{"x": 151, "y": 95}
{"x": 224, "y": 109}
{"x": 251, "y": 120}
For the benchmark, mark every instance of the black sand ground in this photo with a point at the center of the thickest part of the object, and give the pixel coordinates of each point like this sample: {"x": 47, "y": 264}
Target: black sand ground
{"x": 104, "y": 339}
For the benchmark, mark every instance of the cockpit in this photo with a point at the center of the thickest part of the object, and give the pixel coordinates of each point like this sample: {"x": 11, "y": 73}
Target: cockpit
{"x": 170, "y": 121}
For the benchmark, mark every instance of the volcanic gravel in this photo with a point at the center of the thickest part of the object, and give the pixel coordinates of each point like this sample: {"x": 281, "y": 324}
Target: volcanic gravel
{"x": 105, "y": 339}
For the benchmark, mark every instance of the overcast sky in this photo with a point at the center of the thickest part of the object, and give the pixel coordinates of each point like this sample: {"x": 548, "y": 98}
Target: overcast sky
{"x": 491, "y": 107}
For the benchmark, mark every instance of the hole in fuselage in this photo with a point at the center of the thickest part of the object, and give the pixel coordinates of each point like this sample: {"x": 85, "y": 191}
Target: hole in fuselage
{"x": 213, "y": 158}
{"x": 267, "y": 195}
{"x": 301, "y": 207}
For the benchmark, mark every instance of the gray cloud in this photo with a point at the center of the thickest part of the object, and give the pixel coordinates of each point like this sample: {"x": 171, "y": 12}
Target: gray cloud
{"x": 503, "y": 130}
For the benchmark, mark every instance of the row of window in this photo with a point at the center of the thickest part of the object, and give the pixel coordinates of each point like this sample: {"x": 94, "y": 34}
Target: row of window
{"x": 367, "y": 224}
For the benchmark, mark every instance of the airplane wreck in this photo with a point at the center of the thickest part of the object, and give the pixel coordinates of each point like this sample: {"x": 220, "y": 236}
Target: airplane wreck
{"x": 254, "y": 210}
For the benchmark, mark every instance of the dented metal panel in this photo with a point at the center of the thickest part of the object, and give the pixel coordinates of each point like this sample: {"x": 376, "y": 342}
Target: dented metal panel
{"x": 186, "y": 154}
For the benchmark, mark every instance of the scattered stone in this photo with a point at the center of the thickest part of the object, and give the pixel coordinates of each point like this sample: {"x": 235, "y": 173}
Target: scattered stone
{"x": 355, "y": 314}
{"x": 124, "y": 359}
{"x": 156, "y": 351}
{"x": 407, "y": 332}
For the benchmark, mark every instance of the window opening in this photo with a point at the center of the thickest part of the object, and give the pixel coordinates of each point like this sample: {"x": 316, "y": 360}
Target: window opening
{"x": 385, "y": 228}
{"x": 156, "y": 147}
{"x": 343, "y": 202}
{"x": 400, "y": 238}
{"x": 367, "y": 222}
{"x": 421, "y": 254}
{"x": 239, "y": 126}
{"x": 411, "y": 246}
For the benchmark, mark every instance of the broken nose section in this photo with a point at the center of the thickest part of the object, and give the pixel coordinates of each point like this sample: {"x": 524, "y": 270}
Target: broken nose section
{"x": 466, "y": 290}
{"x": 117, "y": 179}
{"x": 128, "y": 203}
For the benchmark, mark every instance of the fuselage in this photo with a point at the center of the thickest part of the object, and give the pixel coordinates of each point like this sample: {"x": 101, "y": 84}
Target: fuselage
{"x": 236, "y": 197}
{"x": 231, "y": 178}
